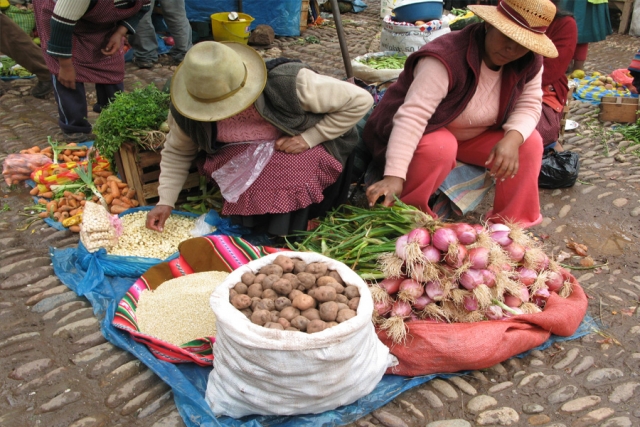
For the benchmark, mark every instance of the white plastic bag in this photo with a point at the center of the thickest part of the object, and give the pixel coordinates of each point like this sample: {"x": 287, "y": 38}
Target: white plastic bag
{"x": 241, "y": 171}
{"x": 257, "y": 370}
{"x": 373, "y": 75}
{"x": 406, "y": 37}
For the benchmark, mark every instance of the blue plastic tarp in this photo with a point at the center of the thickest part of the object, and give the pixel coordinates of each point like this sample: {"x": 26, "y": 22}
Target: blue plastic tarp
{"x": 281, "y": 15}
{"x": 189, "y": 381}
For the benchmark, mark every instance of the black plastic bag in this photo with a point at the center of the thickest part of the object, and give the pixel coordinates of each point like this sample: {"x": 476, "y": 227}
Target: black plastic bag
{"x": 559, "y": 170}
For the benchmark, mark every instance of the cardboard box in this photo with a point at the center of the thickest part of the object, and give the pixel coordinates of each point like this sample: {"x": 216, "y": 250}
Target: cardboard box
{"x": 618, "y": 109}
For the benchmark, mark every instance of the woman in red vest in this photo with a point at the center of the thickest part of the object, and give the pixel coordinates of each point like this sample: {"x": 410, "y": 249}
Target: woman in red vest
{"x": 472, "y": 95}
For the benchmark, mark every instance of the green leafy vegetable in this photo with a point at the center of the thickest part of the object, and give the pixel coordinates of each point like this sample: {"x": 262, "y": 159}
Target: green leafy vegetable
{"x": 388, "y": 62}
{"x": 133, "y": 116}
{"x": 9, "y": 68}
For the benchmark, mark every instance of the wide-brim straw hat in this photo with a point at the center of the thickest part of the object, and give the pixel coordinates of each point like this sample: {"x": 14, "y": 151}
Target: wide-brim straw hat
{"x": 217, "y": 80}
{"x": 524, "y": 21}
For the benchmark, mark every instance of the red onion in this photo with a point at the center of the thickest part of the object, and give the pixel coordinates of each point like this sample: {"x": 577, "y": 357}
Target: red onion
{"x": 383, "y": 307}
{"x": 494, "y": 312}
{"x": 471, "y": 278}
{"x": 470, "y": 303}
{"x": 443, "y": 238}
{"x": 413, "y": 317}
{"x": 555, "y": 281}
{"x": 410, "y": 290}
{"x": 479, "y": 228}
{"x": 466, "y": 233}
{"x": 434, "y": 290}
{"x": 421, "y": 302}
{"x": 456, "y": 257}
{"x": 391, "y": 285}
{"x": 500, "y": 234}
{"x": 499, "y": 227}
{"x": 431, "y": 254}
{"x": 524, "y": 294}
{"x": 512, "y": 301}
{"x": 540, "y": 297}
{"x": 542, "y": 261}
{"x": 526, "y": 276}
{"x": 479, "y": 258}
{"x": 508, "y": 314}
{"x": 401, "y": 309}
{"x": 401, "y": 246}
{"x": 489, "y": 278}
{"x": 420, "y": 236}
{"x": 515, "y": 251}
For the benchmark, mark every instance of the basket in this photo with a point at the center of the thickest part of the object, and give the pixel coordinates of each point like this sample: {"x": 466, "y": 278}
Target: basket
{"x": 231, "y": 31}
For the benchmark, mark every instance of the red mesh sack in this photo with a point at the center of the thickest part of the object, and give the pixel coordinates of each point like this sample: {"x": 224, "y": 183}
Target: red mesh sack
{"x": 432, "y": 347}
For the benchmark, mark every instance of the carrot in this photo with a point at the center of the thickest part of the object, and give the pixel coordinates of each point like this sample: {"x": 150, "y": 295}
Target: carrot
{"x": 63, "y": 216}
{"x": 95, "y": 199}
{"x": 79, "y": 196}
{"x": 81, "y": 153}
{"x": 74, "y": 228}
{"x": 75, "y": 158}
{"x": 115, "y": 209}
{"x": 67, "y": 152}
{"x": 35, "y": 149}
{"x": 74, "y": 211}
{"x": 62, "y": 202}
{"x": 135, "y": 203}
{"x": 34, "y": 191}
{"x": 108, "y": 198}
{"x": 103, "y": 174}
{"x": 47, "y": 150}
{"x": 131, "y": 192}
{"x": 98, "y": 181}
{"x": 43, "y": 201}
{"x": 47, "y": 194}
{"x": 71, "y": 201}
{"x": 103, "y": 188}
{"x": 43, "y": 215}
{"x": 127, "y": 201}
{"x": 56, "y": 216}
{"x": 65, "y": 208}
{"x": 113, "y": 178}
{"x": 118, "y": 202}
{"x": 67, "y": 194}
{"x": 83, "y": 202}
{"x": 122, "y": 185}
{"x": 114, "y": 188}
{"x": 52, "y": 206}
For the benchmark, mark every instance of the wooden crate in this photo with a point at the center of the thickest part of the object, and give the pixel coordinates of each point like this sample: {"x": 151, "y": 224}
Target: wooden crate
{"x": 618, "y": 109}
{"x": 141, "y": 169}
{"x": 304, "y": 15}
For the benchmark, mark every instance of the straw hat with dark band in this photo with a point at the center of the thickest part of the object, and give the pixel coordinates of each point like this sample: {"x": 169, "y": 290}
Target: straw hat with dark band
{"x": 217, "y": 80}
{"x": 524, "y": 21}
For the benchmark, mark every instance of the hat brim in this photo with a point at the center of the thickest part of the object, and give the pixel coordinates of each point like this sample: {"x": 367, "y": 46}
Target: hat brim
{"x": 536, "y": 42}
{"x": 212, "y": 111}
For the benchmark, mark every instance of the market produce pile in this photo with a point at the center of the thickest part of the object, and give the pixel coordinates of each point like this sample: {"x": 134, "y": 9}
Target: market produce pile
{"x": 9, "y": 68}
{"x": 393, "y": 61}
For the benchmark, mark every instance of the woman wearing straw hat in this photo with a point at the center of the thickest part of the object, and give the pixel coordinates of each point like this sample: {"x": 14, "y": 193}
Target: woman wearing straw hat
{"x": 472, "y": 95}
{"x": 228, "y": 104}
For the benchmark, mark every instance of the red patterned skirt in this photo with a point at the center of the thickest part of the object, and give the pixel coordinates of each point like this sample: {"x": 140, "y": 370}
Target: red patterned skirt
{"x": 287, "y": 183}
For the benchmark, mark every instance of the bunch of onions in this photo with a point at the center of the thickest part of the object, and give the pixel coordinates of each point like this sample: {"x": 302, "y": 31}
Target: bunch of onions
{"x": 500, "y": 234}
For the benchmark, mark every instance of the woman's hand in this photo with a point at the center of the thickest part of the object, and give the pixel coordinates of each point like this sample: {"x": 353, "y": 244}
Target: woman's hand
{"x": 292, "y": 144}
{"x": 504, "y": 157}
{"x": 115, "y": 41}
{"x": 157, "y": 217}
{"x": 389, "y": 187}
{"x": 67, "y": 73}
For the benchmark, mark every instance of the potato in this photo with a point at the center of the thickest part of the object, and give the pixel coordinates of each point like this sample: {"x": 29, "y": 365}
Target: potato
{"x": 284, "y": 322}
{"x": 341, "y": 305}
{"x": 240, "y": 288}
{"x": 336, "y": 276}
{"x": 298, "y": 266}
{"x": 267, "y": 282}
{"x": 294, "y": 293}
{"x": 311, "y": 314}
{"x": 337, "y": 286}
{"x": 354, "y": 303}
{"x": 307, "y": 280}
{"x": 329, "y": 311}
{"x": 325, "y": 280}
{"x": 312, "y": 292}
{"x": 258, "y": 305}
{"x": 325, "y": 293}
{"x": 318, "y": 269}
{"x": 268, "y": 303}
{"x": 285, "y": 262}
{"x": 342, "y": 298}
{"x": 282, "y": 302}
{"x": 300, "y": 322}
{"x": 291, "y": 328}
{"x": 248, "y": 278}
{"x": 247, "y": 312}
{"x": 275, "y": 315}
{"x": 241, "y": 301}
{"x": 274, "y": 325}
{"x": 344, "y": 315}
{"x": 289, "y": 313}
{"x": 293, "y": 279}
{"x": 269, "y": 293}
{"x": 260, "y": 317}
{"x": 271, "y": 269}
{"x": 232, "y": 293}
{"x": 282, "y": 287}
{"x": 259, "y": 278}
{"x": 315, "y": 326}
{"x": 303, "y": 302}
{"x": 351, "y": 291}
{"x": 255, "y": 290}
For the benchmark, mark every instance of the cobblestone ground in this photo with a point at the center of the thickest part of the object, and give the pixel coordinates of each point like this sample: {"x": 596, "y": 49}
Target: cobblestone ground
{"x": 57, "y": 369}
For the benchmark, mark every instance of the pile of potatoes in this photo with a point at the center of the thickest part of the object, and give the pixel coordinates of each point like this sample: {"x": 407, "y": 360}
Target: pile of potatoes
{"x": 292, "y": 295}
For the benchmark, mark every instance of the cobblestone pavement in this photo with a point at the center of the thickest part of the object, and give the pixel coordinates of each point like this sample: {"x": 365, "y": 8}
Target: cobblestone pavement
{"x": 58, "y": 370}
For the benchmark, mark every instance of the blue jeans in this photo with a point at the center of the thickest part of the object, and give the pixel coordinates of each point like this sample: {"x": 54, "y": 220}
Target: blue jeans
{"x": 175, "y": 16}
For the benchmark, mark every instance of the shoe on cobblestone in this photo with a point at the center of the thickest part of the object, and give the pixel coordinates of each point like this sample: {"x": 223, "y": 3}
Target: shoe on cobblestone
{"x": 42, "y": 89}
{"x": 141, "y": 63}
{"x": 78, "y": 137}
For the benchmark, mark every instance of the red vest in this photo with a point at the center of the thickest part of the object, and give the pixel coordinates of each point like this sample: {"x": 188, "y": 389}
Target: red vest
{"x": 461, "y": 52}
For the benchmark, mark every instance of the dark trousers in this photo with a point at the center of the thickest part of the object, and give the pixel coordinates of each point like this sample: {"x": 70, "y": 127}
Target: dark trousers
{"x": 72, "y": 104}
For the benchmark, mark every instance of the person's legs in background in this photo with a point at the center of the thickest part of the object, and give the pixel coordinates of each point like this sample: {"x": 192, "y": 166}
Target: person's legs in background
{"x": 17, "y": 45}
{"x": 175, "y": 16}
{"x": 105, "y": 94}
{"x": 144, "y": 42}
{"x": 72, "y": 110}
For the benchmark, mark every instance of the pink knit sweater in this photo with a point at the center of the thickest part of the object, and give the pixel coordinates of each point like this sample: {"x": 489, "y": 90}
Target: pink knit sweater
{"x": 429, "y": 88}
